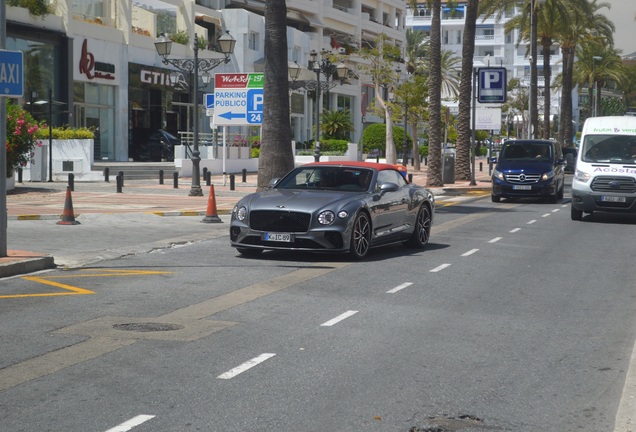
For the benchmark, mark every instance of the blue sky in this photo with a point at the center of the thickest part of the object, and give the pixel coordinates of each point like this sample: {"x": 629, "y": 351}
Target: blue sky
{"x": 622, "y": 14}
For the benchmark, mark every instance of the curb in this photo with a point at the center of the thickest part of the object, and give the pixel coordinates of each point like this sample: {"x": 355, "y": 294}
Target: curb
{"x": 25, "y": 266}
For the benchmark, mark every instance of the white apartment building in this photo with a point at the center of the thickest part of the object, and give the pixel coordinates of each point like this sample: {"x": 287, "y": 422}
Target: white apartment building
{"x": 493, "y": 47}
{"x": 99, "y": 60}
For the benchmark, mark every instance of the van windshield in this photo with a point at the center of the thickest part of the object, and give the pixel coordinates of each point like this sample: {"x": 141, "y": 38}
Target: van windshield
{"x": 609, "y": 148}
{"x": 527, "y": 151}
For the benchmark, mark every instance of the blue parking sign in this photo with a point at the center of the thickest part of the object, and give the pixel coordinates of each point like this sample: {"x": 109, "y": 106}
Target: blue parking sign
{"x": 11, "y": 73}
{"x": 492, "y": 86}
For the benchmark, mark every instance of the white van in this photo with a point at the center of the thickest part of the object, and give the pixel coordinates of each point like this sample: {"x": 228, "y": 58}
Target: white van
{"x": 605, "y": 175}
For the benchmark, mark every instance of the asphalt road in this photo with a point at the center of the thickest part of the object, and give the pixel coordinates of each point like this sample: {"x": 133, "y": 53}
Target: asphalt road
{"x": 515, "y": 318}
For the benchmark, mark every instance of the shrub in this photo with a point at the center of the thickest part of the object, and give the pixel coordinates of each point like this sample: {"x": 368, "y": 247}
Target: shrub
{"x": 256, "y": 153}
{"x": 374, "y": 137}
{"x": 65, "y": 133}
{"x": 338, "y": 147}
{"x": 424, "y": 151}
{"x": 21, "y": 136}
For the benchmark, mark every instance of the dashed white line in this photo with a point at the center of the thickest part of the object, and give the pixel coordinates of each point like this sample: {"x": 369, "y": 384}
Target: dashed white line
{"x": 439, "y": 268}
{"x": 545, "y": 215}
{"x": 245, "y": 366}
{"x": 532, "y": 221}
{"x": 399, "y": 287}
{"x": 555, "y": 210}
{"x": 339, "y": 318}
{"x": 128, "y": 425}
{"x": 470, "y": 252}
{"x": 495, "y": 240}
{"x": 514, "y": 230}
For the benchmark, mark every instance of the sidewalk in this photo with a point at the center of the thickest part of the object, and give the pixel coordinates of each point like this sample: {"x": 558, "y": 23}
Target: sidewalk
{"x": 144, "y": 206}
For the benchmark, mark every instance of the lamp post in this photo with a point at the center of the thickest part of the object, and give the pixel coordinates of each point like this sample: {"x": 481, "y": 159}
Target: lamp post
{"x": 405, "y": 146}
{"x": 594, "y": 84}
{"x": 321, "y": 66}
{"x": 164, "y": 46}
{"x": 50, "y": 102}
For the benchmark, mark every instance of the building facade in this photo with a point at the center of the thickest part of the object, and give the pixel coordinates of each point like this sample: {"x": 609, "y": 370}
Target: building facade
{"x": 99, "y": 60}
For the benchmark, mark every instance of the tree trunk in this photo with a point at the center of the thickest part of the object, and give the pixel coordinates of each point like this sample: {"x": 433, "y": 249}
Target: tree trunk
{"x": 462, "y": 161}
{"x": 416, "y": 148}
{"x": 276, "y": 157}
{"x": 546, "y": 88}
{"x": 434, "y": 177}
{"x": 565, "y": 118}
{"x": 534, "y": 118}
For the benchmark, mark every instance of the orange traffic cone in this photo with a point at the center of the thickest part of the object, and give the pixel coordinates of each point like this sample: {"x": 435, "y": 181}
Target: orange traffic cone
{"x": 210, "y": 214}
{"x": 68, "y": 217}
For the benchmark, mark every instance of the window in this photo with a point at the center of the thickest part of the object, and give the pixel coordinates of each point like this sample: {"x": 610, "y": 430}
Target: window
{"x": 459, "y": 37}
{"x": 253, "y": 41}
{"x": 445, "y": 40}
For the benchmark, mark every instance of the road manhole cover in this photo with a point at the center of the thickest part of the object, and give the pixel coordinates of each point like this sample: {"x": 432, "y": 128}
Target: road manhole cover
{"x": 147, "y": 327}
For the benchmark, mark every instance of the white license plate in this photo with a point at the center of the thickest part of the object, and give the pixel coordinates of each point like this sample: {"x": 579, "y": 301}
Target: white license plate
{"x": 522, "y": 187}
{"x": 277, "y": 237}
{"x": 617, "y": 199}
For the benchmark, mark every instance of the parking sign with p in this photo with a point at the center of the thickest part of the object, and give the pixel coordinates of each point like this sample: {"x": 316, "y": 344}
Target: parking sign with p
{"x": 492, "y": 85}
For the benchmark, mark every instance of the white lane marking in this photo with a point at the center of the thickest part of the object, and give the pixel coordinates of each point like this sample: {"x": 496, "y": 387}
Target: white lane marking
{"x": 339, "y": 318}
{"x": 439, "y": 268}
{"x": 545, "y": 215}
{"x": 128, "y": 425}
{"x": 399, "y": 287}
{"x": 555, "y": 210}
{"x": 532, "y": 221}
{"x": 627, "y": 406}
{"x": 564, "y": 205}
{"x": 495, "y": 240}
{"x": 245, "y": 366}
{"x": 470, "y": 252}
{"x": 515, "y": 230}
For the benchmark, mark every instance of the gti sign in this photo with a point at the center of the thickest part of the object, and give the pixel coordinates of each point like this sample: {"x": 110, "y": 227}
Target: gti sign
{"x": 238, "y": 99}
{"x": 11, "y": 73}
{"x": 492, "y": 85}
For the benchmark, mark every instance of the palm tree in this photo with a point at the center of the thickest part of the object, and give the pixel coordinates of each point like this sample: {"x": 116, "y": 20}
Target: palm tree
{"x": 415, "y": 51}
{"x": 276, "y": 158}
{"x": 434, "y": 177}
{"x": 463, "y": 146}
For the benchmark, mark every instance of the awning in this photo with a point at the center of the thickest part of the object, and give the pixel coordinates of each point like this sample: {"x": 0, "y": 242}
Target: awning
{"x": 294, "y": 15}
{"x": 314, "y": 21}
{"x": 208, "y": 19}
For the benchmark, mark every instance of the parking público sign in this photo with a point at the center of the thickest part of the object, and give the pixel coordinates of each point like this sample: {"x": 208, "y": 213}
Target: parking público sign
{"x": 238, "y": 99}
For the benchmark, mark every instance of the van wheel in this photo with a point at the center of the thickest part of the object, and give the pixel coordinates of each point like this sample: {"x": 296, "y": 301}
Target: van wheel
{"x": 575, "y": 214}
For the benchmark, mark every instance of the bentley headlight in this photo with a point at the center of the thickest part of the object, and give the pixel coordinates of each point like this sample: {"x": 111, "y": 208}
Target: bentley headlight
{"x": 581, "y": 176}
{"x": 326, "y": 218}
{"x": 548, "y": 175}
{"x": 497, "y": 174}
{"x": 241, "y": 213}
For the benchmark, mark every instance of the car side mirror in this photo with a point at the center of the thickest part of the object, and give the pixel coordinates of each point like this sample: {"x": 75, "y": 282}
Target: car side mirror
{"x": 493, "y": 159}
{"x": 562, "y": 162}
{"x": 388, "y": 187}
{"x": 273, "y": 182}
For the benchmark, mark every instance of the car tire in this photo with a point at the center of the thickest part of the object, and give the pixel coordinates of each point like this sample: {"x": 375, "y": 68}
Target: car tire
{"x": 553, "y": 199}
{"x": 495, "y": 198}
{"x": 249, "y": 251}
{"x": 575, "y": 214}
{"x": 360, "y": 237}
{"x": 422, "y": 231}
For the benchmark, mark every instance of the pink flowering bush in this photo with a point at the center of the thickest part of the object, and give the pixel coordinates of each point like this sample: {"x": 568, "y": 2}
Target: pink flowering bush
{"x": 21, "y": 138}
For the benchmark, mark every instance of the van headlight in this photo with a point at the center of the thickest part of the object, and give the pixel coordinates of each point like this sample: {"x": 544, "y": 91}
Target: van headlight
{"x": 497, "y": 174}
{"x": 548, "y": 175}
{"x": 581, "y": 176}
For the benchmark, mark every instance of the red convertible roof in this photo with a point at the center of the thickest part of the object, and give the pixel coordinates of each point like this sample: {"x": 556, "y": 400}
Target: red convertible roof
{"x": 359, "y": 164}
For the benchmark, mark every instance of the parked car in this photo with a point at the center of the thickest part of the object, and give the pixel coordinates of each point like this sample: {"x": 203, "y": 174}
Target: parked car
{"x": 337, "y": 207}
{"x": 158, "y": 146}
{"x": 528, "y": 168}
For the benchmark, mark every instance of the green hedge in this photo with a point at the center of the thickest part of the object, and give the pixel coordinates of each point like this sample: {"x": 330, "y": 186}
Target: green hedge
{"x": 62, "y": 133}
{"x": 374, "y": 137}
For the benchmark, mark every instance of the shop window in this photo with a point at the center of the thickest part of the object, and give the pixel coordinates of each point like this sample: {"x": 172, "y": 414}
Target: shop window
{"x": 253, "y": 41}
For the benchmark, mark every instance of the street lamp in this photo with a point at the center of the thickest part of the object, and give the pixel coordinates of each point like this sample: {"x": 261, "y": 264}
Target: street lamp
{"x": 594, "y": 85}
{"x": 164, "y": 46}
{"x": 50, "y": 102}
{"x": 327, "y": 68}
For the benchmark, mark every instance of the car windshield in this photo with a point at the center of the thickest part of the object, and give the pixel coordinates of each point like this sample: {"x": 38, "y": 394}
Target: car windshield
{"x": 609, "y": 148}
{"x": 328, "y": 177}
{"x": 527, "y": 151}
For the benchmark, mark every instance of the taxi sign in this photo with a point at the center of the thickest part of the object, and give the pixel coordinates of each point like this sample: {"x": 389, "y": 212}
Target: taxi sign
{"x": 11, "y": 73}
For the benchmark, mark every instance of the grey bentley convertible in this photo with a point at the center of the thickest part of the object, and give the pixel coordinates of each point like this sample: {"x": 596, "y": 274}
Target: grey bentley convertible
{"x": 335, "y": 207}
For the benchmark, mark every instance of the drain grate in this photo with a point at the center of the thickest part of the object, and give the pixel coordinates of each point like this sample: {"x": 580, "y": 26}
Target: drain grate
{"x": 147, "y": 327}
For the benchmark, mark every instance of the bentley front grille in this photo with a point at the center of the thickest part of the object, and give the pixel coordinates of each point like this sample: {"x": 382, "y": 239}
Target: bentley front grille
{"x": 279, "y": 221}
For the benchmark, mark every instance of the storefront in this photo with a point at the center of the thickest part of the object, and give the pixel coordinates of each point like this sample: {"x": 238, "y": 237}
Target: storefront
{"x": 96, "y": 82}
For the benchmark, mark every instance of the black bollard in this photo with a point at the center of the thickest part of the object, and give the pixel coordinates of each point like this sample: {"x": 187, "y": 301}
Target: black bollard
{"x": 121, "y": 174}
{"x": 232, "y": 181}
{"x": 120, "y": 183}
{"x": 204, "y": 171}
{"x": 20, "y": 175}
{"x": 410, "y": 178}
{"x": 107, "y": 175}
{"x": 425, "y": 161}
{"x": 244, "y": 172}
{"x": 481, "y": 166}
{"x": 208, "y": 178}
{"x": 71, "y": 181}
{"x": 175, "y": 180}
{"x": 160, "y": 177}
